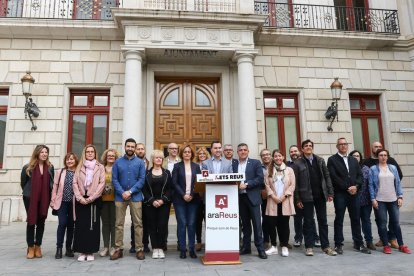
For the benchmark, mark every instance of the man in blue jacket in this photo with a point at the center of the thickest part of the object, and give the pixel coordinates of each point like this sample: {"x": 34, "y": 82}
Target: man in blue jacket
{"x": 250, "y": 199}
{"x": 128, "y": 174}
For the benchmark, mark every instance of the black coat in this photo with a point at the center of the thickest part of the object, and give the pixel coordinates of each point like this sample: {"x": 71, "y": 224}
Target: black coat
{"x": 179, "y": 183}
{"x": 341, "y": 178}
{"x": 166, "y": 188}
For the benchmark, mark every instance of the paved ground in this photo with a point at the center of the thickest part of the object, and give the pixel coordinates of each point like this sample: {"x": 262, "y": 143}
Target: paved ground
{"x": 13, "y": 261}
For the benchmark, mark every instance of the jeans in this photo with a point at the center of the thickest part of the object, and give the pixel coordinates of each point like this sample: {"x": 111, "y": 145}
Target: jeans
{"x": 394, "y": 213}
{"x": 343, "y": 201}
{"x": 186, "y": 214}
{"x": 365, "y": 212}
{"x": 66, "y": 223}
{"x": 308, "y": 213}
{"x": 108, "y": 223}
{"x": 36, "y": 230}
{"x": 298, "y": 224}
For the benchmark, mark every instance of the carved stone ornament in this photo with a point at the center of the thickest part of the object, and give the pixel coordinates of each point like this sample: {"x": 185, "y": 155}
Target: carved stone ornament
{"x": 190, "y": 34}
{"x": 144, "y": 33}
{"x": 167, "y": 33}
{"x": 213, "y": 36}
{"x": 235, "y": 36}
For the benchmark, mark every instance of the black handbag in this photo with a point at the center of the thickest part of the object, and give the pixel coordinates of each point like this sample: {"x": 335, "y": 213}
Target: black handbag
{"x": 55, "y": 212}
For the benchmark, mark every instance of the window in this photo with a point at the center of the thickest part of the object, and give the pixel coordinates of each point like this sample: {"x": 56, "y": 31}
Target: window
{"x": 352, "y": 15}
{"x": 4, "y": 100}
{"x": 281, "y": 121}
{"x": 88, "y": 120}
{"x": 366, "y": 122}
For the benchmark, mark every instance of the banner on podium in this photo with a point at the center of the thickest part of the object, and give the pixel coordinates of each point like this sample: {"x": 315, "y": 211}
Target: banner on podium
{"x": 222, "y": 224}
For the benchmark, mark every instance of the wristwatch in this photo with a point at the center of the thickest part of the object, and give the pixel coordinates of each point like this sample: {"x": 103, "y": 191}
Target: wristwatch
{"x": 130, "y": 192}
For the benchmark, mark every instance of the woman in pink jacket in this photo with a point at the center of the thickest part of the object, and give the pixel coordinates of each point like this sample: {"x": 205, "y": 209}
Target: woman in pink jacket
{"x": 280, "y": 185}
{"x": 88, "y": 185}
{"x": 62, "y": 203}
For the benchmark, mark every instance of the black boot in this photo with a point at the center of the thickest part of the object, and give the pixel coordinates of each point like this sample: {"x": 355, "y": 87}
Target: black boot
{"x": 69, "y": 252}
{"x": 58, "y": 254}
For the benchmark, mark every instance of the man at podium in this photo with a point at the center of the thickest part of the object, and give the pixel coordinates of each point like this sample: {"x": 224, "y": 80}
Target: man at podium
{"x": 250, "y": 200}
{"x": 217, "y": 164}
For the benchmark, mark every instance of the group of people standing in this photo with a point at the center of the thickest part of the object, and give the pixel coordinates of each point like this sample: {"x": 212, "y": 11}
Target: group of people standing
{"x": 89, "y": 190}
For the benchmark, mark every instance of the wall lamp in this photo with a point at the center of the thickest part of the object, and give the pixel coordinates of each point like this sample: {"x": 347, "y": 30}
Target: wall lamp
{"x": 332, "y": 112}
{"x": 30, "y": 108}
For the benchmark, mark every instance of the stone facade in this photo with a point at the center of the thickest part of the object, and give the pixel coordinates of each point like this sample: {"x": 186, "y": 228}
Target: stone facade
{"x": 93, "y": 56}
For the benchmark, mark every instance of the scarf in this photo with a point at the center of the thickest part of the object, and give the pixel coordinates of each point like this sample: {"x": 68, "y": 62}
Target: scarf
{"x": 277, "y": 169}
{"x": 89, "y": 166}
{"x": 39, "y": 195}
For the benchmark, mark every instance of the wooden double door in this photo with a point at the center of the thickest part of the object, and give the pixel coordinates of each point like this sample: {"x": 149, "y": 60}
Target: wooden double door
{"x": 187, "y": 111}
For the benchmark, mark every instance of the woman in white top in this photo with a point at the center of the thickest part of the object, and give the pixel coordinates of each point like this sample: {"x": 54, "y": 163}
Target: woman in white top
{"x": 386, "y": 197}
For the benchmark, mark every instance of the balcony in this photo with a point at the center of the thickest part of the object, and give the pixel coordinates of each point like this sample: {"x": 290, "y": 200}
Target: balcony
{"x": 318, "y": 17}
{"x": 101, "y": 9}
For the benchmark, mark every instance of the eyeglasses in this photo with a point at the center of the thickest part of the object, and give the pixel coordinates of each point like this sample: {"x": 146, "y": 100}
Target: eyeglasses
{"x": 265, "y": 154}
{"x": 228, "y": 150}
{"x": 110, "y": 156}
{"x": 173, "y": 148}
{"x": 343, "y": 144}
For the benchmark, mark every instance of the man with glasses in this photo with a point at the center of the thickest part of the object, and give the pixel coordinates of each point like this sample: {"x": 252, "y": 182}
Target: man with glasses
{"x": 172, "y": 157}
{"x": 346, "y": 179}
{"x": 229, "y": 152}
{"x": 313, "y": 190}
{"x": 266, "y": 158}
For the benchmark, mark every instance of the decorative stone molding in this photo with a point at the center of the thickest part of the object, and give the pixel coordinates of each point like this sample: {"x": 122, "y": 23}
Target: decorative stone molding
{"x": 188, "y": 37}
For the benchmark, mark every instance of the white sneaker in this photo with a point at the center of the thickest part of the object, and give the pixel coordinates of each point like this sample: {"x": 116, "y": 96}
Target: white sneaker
{"x": 82, "y": 257}
{"x": 112, "y": 251}
{"x": 285, "y": 251}
{"x": 271, "y": 251}
{"x": 104, "y": 252}
{"x": 155, "y": 254}
{"x": 161, "y": 254}
{"x": 90, "y": 257}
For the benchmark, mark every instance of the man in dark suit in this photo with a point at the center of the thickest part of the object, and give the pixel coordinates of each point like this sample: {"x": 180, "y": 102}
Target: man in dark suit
{"x": 250, "y": 200}
{"x": 346, "y": 179}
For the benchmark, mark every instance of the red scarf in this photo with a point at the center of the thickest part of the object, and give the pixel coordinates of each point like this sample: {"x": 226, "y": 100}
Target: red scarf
{"x": 39, "y": 196}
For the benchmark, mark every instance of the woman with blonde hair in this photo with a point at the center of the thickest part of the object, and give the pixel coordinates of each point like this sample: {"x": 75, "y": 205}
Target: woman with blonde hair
{"x": 280, "y": 186}
{"x": 157, "y": 200}
{"x": 36, "y": 182}
{"x": 88, "y": 185}
{"x": 62, "y": 202}
{"x": 201, "y": 155}
{"x": 108, "y": 203}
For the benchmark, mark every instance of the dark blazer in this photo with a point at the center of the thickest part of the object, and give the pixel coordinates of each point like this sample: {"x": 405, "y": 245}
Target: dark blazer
{"x": 254, "y": 180}
{"x": 166, "y": 193}
{"x": 178, "y": 181}
{"x": 341, "y": 178}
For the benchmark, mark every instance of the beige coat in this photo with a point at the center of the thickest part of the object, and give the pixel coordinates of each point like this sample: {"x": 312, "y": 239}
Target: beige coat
{"x": 95, "y": 189}
{"x": 57, "y": 191}
{"x": 288, "y": 207}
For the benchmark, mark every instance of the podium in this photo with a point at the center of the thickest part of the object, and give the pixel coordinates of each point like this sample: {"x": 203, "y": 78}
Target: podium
{"x": 221, "y": 217}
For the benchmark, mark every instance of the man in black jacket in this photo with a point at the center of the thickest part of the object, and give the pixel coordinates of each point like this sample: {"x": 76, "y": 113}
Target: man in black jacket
{"x": 313, "y": 190}
{"x": 346, "y": 179}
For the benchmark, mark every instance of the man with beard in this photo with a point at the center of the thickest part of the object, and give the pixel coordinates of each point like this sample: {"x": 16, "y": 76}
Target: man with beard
{"x": 128, "y": 175}
{"x": 140, "y": 153}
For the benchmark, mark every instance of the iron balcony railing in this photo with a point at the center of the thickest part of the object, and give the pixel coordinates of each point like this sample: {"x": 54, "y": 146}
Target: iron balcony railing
{"x": 300, "y": 16}
{"x": 101, "y": 9}
{"x": 65, "y": 9}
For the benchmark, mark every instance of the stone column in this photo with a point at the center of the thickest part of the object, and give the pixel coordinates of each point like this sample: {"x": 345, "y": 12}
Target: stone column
{"x": 247, "y": 102}
{"x": 133, "y": 98}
